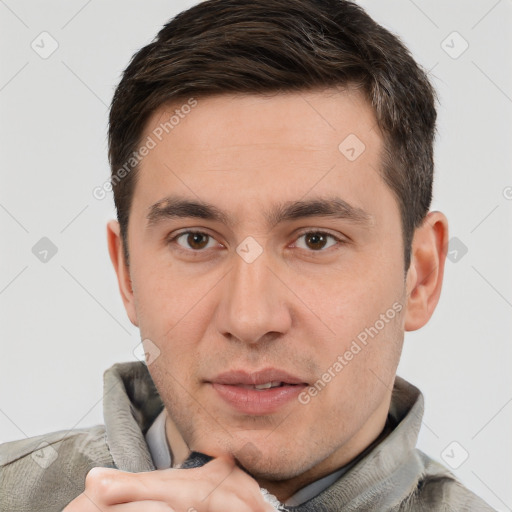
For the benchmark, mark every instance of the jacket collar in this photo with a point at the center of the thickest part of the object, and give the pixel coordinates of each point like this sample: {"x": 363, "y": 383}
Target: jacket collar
{"x": 130, "y": 405}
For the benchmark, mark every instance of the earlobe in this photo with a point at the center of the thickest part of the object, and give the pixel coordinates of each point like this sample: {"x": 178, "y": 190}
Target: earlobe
{"x": 425, "y": 275}
{"x": 115, "y": 249}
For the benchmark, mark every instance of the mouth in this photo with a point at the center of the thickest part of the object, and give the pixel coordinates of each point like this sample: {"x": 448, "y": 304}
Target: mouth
{"x": 266, "y": 385}
{"x": 258, "y": 393}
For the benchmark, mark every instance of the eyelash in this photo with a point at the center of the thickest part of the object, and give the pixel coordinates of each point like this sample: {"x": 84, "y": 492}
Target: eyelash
{"x": 198, "y": 252}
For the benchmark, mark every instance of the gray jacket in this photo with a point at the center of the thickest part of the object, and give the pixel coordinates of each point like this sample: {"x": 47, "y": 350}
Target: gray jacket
{"x": 45, "y": 473}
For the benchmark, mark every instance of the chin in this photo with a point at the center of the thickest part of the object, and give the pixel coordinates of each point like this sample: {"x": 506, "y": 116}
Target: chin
{"x": 272, "y": 464}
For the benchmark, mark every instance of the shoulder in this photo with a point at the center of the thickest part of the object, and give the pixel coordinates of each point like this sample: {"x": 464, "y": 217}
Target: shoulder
{"x": 438, "y": 490}
{"x": 48, "y": 471}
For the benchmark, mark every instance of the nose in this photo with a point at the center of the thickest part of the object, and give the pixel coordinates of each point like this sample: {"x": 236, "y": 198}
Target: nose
{"x": 254, "y": 302}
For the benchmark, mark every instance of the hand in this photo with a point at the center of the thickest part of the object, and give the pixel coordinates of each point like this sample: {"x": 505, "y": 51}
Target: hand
{"x": 218, "y": 486}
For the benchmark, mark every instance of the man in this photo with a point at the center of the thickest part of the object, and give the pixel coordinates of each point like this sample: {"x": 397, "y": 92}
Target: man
{"x": 272, "y": 166}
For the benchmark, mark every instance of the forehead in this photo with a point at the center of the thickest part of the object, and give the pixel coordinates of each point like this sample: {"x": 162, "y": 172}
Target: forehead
{"x": 317, "y": 118}
{"x": 253, "y": 149}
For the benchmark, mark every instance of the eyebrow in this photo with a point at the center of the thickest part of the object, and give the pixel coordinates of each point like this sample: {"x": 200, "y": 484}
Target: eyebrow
{"x": 179, "y": 207}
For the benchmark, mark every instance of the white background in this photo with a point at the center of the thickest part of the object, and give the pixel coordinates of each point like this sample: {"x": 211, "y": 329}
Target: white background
{"x": 63, "y": 323}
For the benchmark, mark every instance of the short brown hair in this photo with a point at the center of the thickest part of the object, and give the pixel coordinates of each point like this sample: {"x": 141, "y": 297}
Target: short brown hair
{"x": 270, "y": 46}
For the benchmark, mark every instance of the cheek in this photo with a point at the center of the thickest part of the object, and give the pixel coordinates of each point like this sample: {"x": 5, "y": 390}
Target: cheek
{"x": 358, "y": 373}
{"x": 168, "y": 303}
{"x": 364, "y": 311}
{"x": 354, "y": 299}
{"x": 176, "y": 336}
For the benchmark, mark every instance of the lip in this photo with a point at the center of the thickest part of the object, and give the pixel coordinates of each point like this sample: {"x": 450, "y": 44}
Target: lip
{"x": 245, "y": 378}
{"x": 228, "y": 386}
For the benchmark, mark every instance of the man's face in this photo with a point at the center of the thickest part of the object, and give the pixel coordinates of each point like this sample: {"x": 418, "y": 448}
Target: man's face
{"x": 294, "y": 297}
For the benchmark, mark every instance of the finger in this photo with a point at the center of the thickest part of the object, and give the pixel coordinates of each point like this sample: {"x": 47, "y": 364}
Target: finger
{"x": 110, "y": 486}
{"x": 141, "y": 506}
{"x": 242, "y": 487}
{"x": 85, "y": 503}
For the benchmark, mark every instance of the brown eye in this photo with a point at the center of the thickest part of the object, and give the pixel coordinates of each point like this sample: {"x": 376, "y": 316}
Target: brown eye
{"x": 194, "y": 240}
{"x": 197, "y": 240}
{"x": 317, "y": 240}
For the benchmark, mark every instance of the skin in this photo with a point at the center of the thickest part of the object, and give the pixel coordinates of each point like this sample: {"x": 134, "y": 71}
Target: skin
{"x": 297, "y": 307}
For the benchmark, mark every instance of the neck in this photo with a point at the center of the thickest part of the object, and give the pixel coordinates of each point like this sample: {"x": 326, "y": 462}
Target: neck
{"x": 177, "y": 446}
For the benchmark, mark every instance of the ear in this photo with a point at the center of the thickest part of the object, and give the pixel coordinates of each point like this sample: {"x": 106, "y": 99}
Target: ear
{"x": 425, "y": 274}
{"x": 115, "y": 248}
